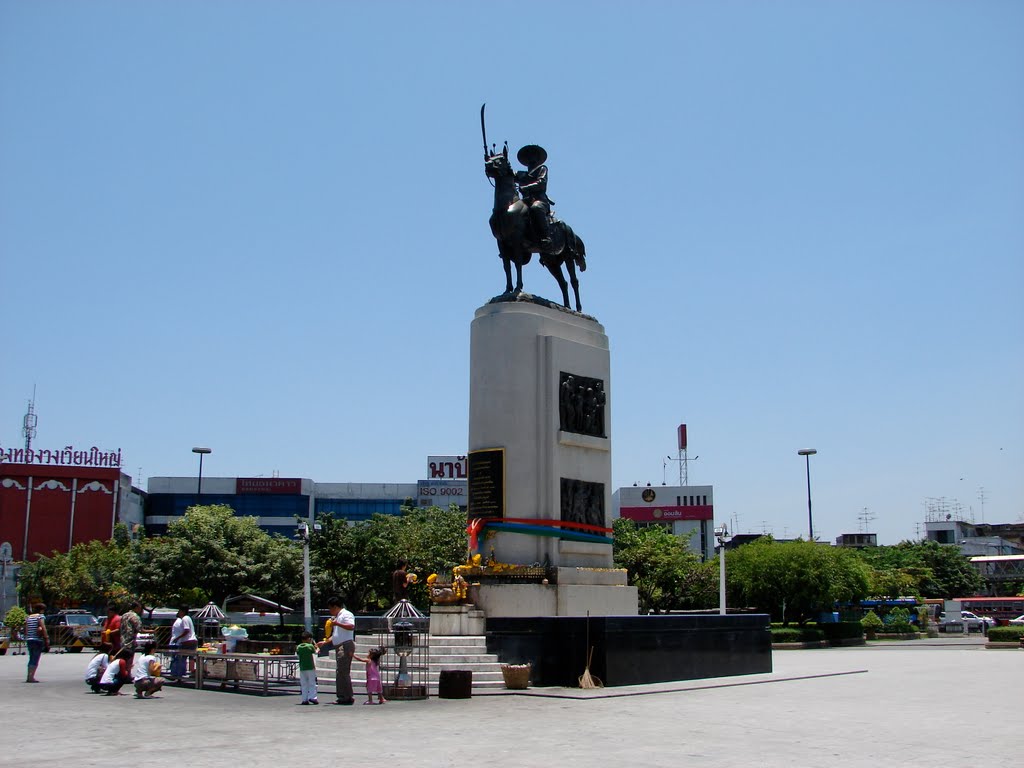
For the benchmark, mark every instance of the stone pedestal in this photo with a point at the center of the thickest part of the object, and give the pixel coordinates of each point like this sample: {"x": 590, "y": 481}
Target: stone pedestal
{"x": 634, "y": 650}
{"x": 540, "y": 397}
{"x": 456, "y": 620}
{"x": 579, "y": 591}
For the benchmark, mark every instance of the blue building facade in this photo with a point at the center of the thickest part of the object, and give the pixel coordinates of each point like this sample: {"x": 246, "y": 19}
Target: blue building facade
{"x": 277, "y": 503}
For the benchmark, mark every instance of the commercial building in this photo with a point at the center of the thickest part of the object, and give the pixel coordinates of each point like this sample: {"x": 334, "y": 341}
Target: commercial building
{"x": 277, "y": 502}
{"x": 682, "y": 509}
{"x": 52, "y": 500}
{"x": 975, "y": 539}
{"x": 857, "y": 540}
{"x": 49, "y": 506}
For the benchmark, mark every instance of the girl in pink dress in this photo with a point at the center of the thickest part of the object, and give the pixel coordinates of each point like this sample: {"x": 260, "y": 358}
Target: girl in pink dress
{"x": 373, "y": 684}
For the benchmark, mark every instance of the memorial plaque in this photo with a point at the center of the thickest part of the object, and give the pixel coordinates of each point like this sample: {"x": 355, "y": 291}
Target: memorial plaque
{"x": 486, "y": 491}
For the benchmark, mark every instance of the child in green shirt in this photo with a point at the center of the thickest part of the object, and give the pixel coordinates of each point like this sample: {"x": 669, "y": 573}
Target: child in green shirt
{"x": 306, "y": 652}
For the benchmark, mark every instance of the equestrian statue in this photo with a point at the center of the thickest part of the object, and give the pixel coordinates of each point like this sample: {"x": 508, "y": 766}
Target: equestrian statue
{"x": 523, "y": 224}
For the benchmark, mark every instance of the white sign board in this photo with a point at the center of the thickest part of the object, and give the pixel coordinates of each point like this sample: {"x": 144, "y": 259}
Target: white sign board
{"x": 447, "y": 468}
{"x": 441, "y": 493}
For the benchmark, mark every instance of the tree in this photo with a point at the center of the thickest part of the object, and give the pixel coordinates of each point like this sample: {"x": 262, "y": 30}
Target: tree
{"x": 356, "y": 559}
{"x": 894, "y": 582}
{"x": 279, "y": 575}
{"x": 15, "y": 618}
{"x": 45, "y": 579}
{"x": 432, "y": 540}
{"x": 661, "y": 566}
{"x": 85, "y": 575}
{"x": 936, "y": 570}
{"x": 794, "y": 580}
{"x": 340, "y": 556}
{"x": 218, "y": 553}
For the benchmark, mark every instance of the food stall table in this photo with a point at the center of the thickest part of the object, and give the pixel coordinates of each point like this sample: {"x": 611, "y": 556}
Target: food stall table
{"x": 262, "y": 671}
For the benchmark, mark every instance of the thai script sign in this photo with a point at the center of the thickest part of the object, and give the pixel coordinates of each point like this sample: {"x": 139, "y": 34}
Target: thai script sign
{"x": 447, "y": 468}
{"x": 67, "y": 457}
{"x": 652, "y": 514}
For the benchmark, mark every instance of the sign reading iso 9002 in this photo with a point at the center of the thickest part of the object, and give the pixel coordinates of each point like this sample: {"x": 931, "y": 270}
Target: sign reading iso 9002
{"x": 441, "y": 493}
{"x": 487, "y": 482}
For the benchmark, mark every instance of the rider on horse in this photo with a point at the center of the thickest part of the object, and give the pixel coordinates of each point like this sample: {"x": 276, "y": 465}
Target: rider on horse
{"x": 533, "y": 186}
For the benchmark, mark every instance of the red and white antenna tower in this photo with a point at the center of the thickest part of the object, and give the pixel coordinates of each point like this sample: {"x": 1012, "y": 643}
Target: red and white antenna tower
{"x": 684, "y": 470}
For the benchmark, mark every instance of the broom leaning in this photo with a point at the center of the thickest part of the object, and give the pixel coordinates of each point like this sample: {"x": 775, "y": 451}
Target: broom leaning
{"x": 588, "y": 680}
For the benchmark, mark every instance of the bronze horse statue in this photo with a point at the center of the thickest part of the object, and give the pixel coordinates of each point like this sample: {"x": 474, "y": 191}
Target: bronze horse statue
{"x": 510, "y": 225}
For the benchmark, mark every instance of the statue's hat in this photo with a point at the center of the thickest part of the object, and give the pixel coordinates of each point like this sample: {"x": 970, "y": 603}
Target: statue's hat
{"x": 531, "y": 155}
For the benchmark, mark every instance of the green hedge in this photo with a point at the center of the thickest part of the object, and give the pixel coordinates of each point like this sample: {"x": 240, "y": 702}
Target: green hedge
{"x": 809, "y": 633}
{"x": 787, "y": 635}
{"x": 796, "y": 634}
{"x": 289, "y": 633}
{"x": 1005, "y": 634}
{"x": 842, "y": 630}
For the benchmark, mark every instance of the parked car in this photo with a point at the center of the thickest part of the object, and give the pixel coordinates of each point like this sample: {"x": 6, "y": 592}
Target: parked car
{"x": 74, "y": 630}
{"x": 1018, "y": 622}
{"x": 986, "y": 621}
{"x": 972, "y": 622}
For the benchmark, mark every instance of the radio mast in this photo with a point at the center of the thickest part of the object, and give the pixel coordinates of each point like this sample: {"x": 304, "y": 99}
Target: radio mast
{"x": 28, "y": 429}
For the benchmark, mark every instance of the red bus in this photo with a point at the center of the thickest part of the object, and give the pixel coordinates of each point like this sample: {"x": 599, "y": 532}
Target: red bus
{"x": 1002, "y": 609}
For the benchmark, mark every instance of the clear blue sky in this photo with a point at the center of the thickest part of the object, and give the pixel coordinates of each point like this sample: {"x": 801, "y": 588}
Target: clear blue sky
{"x": 262, "y": 227}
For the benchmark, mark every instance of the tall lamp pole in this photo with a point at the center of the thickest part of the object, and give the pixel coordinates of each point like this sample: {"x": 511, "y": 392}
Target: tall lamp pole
{"x": 302, "y": 534}
{"x": 202, "y": 452}
{"x": 721, "y": 533}
{"x": 807, "y": 453}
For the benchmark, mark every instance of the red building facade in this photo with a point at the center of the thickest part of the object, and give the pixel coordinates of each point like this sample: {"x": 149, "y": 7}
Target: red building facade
{"x": 46, "y": 508}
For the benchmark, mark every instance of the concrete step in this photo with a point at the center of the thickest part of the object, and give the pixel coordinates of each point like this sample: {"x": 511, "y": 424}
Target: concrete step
{"x": 459, "y": 652}
{"x": 483, "y": 680}
{"x": 436, "y": 659}
{"x": 485, "y": 675}
{"x": 477, "y": 668}
{"x": 441, "y": 640}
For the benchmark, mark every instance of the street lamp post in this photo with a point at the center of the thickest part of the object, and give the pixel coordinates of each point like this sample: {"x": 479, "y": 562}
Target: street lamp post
{"x": 307, "y": 607}
{"x": 721, "y": 532}
{"x": 807, "y": 453}
{"x": 202, "y": 452}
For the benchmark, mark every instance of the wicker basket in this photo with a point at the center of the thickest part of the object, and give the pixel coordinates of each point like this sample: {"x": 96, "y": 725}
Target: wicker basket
{"x": 517, "y": 676}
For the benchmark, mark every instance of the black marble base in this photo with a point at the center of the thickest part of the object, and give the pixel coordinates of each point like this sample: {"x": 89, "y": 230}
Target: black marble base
{"x": 629, "y": 650}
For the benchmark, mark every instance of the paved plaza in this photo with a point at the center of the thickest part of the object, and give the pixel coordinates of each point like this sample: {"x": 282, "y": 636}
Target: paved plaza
{"x": 939, "y": 702}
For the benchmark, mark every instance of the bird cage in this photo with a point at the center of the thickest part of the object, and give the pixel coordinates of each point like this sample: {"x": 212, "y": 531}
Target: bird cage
{"x": 405, "y": 665}
{"x": 209, "y": 618}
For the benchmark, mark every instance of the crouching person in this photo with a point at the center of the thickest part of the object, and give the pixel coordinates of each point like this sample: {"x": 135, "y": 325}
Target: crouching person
{"x": 116, "y": 674}
{"x": 146, "y": 673}
{"x": 97, "y": 666}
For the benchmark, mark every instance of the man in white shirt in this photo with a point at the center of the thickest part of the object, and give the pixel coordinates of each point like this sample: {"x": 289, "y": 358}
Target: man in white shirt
{"x": 342, "y": 639}
{"x": 183, "y": 638}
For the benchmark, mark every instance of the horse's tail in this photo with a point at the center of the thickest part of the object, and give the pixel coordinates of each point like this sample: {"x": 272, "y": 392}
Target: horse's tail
{"x": 577, "y": 251}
